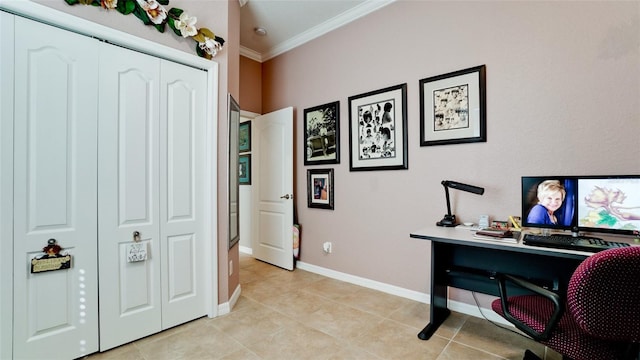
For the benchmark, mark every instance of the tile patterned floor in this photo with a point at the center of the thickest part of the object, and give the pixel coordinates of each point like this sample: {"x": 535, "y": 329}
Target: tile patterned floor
{"x": 302, "y": 315}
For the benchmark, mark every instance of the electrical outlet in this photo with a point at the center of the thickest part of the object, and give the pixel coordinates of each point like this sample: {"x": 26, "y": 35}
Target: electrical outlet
{"x": 327, "y": 247}
{"x": 230, "y": 267}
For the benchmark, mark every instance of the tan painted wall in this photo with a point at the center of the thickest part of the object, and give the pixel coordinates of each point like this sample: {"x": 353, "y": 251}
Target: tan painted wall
{"x": 563, "y": 97}
{"x": 250, "y": 85}
{"x": 233, "y": 86}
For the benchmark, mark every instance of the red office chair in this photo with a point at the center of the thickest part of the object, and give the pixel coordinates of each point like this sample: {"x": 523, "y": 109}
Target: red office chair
{"x": 600, "y": 317}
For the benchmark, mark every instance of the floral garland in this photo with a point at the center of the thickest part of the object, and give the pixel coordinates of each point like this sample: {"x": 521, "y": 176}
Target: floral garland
{"x": 152, "y": 12}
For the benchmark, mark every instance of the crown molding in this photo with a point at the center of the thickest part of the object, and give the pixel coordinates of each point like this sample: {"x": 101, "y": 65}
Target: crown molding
{"x": 251, "y": 54}
{"x": 353, "y": 14}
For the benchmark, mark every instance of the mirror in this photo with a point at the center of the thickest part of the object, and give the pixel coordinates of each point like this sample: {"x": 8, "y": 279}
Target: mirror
{"x": 234, "y": 187}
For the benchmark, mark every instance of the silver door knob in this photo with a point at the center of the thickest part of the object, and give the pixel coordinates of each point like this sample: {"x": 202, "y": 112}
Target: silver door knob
{"x": 286, "y": 197}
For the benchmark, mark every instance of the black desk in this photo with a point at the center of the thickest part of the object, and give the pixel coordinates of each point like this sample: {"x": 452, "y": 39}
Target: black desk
{"x": 459, "y": 260}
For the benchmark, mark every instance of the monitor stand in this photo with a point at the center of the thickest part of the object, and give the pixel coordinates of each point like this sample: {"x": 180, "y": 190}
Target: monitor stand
{"x": 575, "y": 232}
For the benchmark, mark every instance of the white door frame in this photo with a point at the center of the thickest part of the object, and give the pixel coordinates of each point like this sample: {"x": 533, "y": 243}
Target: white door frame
{"x": 6, "y": 191}
{"x": 82, "y": 26}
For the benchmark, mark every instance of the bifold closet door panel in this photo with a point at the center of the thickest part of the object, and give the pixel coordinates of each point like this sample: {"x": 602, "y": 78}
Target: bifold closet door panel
{"x": 128, "y": 188}
{"x": 55, "y": 194}
{"x": 183, "y": 98}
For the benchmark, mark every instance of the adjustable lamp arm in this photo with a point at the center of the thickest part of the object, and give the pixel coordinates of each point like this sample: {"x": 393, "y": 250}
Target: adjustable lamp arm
{"x": 449, "y": 220}
{"x": 463, "y": 187}
{"x": 446, "y": 194}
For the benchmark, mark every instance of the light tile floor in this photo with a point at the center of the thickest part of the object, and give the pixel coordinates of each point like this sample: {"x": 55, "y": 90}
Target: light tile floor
{"x": 301, "y": 315}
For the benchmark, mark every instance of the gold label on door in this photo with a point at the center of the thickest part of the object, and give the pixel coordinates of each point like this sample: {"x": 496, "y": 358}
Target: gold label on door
{"x": 50, "y": 263}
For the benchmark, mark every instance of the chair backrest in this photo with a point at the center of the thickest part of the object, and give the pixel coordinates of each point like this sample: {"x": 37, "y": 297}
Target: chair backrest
{"x": 604, "y": 294}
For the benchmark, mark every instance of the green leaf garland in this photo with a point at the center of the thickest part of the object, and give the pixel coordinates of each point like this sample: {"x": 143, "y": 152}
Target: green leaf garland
{"x": 152, "y": 12}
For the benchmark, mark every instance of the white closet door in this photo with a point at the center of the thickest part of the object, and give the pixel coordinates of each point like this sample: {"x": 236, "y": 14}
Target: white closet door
{"x": 130, "y": 303}
{"x": 182, "y": 154}
{"x": 55, "y": 312}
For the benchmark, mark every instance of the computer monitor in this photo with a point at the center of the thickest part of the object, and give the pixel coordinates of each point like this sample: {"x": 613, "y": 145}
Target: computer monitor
{"x": 549, "y": 202}
{"x": 609, "y": 204}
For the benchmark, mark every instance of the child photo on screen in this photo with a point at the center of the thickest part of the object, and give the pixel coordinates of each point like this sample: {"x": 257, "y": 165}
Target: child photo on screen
{"x": 551, "y": 195}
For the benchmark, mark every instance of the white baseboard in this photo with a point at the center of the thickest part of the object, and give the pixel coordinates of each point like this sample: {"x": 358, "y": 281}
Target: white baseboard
{"x": 225, "y": 308}
{"x": 235, "y": 296}
{"x": 482, "y": 313}
{"x": 371, "y": 284}
{"x": 245, "y": 250}
{"x": 453, "y": 305}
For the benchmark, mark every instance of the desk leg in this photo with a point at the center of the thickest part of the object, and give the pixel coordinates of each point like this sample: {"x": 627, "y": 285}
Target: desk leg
{"x": 439, "y": 291}
{"x": 438, "y": 316}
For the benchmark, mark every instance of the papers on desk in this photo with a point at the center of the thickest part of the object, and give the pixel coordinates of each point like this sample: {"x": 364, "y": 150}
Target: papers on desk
{"x": 469, "y": 227}
{"x": 498, "y": 235}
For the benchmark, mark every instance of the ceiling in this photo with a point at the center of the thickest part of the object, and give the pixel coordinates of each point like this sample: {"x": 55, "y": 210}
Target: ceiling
{"x": 290, "y": 23}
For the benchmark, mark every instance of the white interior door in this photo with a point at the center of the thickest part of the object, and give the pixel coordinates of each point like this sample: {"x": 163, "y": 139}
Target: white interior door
{"x": 272, "y": 179}
{"x": 55, "y": 176}
{"x": 130, "y": 302}
{"x": 182, "y": 153}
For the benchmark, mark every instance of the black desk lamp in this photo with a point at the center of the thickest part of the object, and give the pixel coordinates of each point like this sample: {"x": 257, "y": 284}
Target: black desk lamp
{"x": 449, "y": 219}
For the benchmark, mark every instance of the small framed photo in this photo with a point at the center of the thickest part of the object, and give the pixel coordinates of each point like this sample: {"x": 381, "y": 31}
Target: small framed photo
{"x": 244, "y": 137}
{"x": 453, "y": 108}
{"x": 322, "y": 134}
{"x": 500, "y": 225}
{"x": 320, "y": 188}
{"x": 378, "y": 130}
{"x": 244, "y": 169}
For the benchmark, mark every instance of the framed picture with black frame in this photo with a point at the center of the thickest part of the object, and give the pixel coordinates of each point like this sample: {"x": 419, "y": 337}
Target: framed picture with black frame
{"x": 244, "y": 169}
{"x": 244, "y": 137}
{"x": 320, "y": 190}
{"x": 378, "y": 130}
{"x": 453, "y": 107}
{"x": 322, "y": 134}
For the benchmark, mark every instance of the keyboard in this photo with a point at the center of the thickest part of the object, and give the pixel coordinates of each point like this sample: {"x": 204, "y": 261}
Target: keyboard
{"x": 580, "y": 243}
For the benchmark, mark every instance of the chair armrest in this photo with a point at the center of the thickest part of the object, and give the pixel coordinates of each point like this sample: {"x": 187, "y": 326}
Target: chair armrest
{"x": 558, "y": 305}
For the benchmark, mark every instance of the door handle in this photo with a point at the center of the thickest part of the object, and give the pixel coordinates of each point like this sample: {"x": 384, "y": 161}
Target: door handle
{"x": 287, "y": 197}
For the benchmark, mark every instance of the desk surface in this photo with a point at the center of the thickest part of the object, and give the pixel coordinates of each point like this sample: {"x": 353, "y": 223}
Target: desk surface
{"x": 465, "y": 237}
